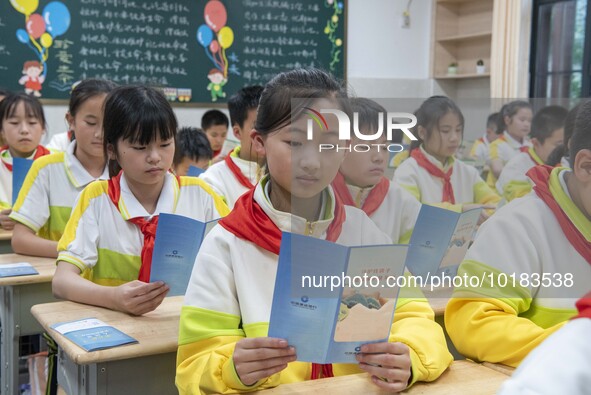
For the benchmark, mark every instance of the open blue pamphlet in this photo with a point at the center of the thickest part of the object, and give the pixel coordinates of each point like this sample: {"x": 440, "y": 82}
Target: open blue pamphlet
{"x": 177, "y": 242}
{"x": 330, "y": 299}
{"x": 17, "y": 269}
{"x": 20, "y": 168}
{"x": 92, "y": 334}
{"x": 440, "y": 240}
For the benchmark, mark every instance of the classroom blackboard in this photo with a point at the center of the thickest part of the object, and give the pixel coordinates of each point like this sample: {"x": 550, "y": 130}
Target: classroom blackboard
{"x": 199, "y": 51}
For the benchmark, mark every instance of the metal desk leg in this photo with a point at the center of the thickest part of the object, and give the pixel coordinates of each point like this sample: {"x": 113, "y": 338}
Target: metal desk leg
{"x": 17, "y": 321}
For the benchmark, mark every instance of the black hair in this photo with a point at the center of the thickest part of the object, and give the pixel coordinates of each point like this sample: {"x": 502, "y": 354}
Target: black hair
{"x": 275, "y": 107}
{"x": 242, "y": 102}
{"x": 509, "y": 110}
{"x": 561, "y": 151}
{"x": 4, "y": 92}
{"x": 33, "y": 107}
{"x": 429, "y": 115}
{"x": 138, "y": 114}
{"x": 213, "y": 118}
{"x": 368, "y": 113}
{"x": 87, "y": 89}
{"x": 546, "y": 121}
{"x": 581, "y": 138}
{"x": 192, "y": 143}
{"x": 492, "y": 121}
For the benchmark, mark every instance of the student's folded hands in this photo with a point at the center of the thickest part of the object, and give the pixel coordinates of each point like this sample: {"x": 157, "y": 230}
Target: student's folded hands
{"x": 137, "y": 297}
{"x": 5, "y": 222}
{"x": 388, "y": 364}
{"x": 257, "y": 358}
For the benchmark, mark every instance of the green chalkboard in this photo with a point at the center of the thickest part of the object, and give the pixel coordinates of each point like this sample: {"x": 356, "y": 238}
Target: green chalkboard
{"x": 198, "y": 51}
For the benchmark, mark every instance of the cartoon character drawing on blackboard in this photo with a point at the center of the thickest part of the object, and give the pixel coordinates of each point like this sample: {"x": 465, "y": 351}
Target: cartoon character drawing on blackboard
{"x": 215, "y": 16}
{"x": 217, "y": 82}
{"x": 32, "y": 78}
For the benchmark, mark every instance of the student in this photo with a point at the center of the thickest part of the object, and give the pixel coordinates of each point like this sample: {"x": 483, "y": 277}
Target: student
{"x": 224, "y": 323}
{"x": 479, "y": 150}
{"x": 60, "y": 142}
{"x": 546, "y": 134}
{"x": 54, "y": 181}
{"x": 559, "y": 157}
{"x": 215, "y": 125}
{"x": 22, "y": 126}
{"x": 192, "y": 149}
{"x": 561, "y": 364}
{"x": 240, "y": 170}
{"x": 432, "y": 174}
{"x": 542, "y": 240}
{"x": 516, "y": 118}
{"x": 110, "y": 235}
{"x": 360, "y": 181}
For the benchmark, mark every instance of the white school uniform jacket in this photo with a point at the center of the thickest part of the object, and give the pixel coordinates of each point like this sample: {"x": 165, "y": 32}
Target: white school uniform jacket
{"x": 467, "y": 185}
{"x": 225, "y": 183}
{"x": 48, "y": 193}
{"x": 397, "y": 214}
{"x": 506, "y": 147}
{"x": 513, "y": 182}
{"x": 59, "y": 142}
{"x": 503, "y": 323}
{"x": 479, "y": 150}
{"x": 99, "y": 240}
{"x": 560, "y": 365}
{"x": 230, "y": 294}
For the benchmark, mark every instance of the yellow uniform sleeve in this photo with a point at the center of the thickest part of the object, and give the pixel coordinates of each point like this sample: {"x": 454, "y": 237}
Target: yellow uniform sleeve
{"x": 486, "y": 324}
{"x": 516, "y": 189}
{"x": 483, "y": 194}
{"x": 414, "y": 325}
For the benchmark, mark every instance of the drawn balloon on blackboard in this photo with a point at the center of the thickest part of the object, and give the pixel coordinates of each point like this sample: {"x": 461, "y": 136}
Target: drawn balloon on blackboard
{"x": 215, "y": 37}
{"x": 39, "y": 34}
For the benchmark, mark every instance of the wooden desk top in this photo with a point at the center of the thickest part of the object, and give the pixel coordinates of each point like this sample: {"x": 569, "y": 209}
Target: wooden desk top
{"x": 157, "y": 332}
{"x": 5, "y": 235}
{"x": 499, "y": 367}
{"x": 45, "y": 267}
{"x": 463, "y": 377}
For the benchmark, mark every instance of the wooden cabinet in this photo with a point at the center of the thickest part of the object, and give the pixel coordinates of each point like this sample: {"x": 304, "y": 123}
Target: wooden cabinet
{"x": 462, "y": 35}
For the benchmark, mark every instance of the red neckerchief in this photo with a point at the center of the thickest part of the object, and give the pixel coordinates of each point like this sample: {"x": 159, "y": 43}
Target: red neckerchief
{"x": 540, "y": 175}
{"x": 148, "y": 228}
{"x": 584, "y": 306}
{"x": 482, "y": 140}
{"x": 39, "y": 152}
{"x": 373, "y": 200}
{"x": 248, "y": 221}
{"x": 216, "y": 153}
{"x": 326, "y": 370}
{"x": 448, "y": 191}
{"x": 237, "y": 172}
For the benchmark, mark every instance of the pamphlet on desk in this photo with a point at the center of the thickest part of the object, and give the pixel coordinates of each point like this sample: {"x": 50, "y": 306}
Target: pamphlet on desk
{"x": 440, "y": 240}
{"x": 20, "y": 168}
{"x": 92, "y": 334}
{"x": 328, "y": 322}
{"x": 177, "y": 242}
{"x": 17, "y": 269}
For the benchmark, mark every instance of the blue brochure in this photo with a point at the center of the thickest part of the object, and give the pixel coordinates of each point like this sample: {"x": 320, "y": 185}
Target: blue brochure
{"x": 330, "y": 299}
{"x": 194, "y": 171}
{"x": 178, "y": 239}
{"x": 440, "y": 240}
{"x": 17, "y": 269}
{"x": 92, "y": 334}
{"x": 20, "y": 168}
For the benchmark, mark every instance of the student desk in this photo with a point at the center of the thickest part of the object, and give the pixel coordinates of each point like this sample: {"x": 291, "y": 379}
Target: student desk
{"x": 462, "y": 377}
{"x": 17, "y": 295}
{"x": 144, "y": 368}
{"x": 5, "y": 239}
